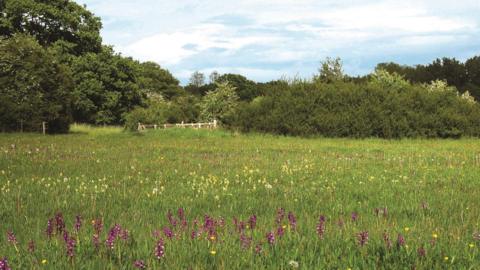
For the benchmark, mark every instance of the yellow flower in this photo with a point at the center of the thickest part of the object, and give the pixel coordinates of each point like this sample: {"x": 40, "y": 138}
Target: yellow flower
{"x": 212, "y": 237}
{"x": 435, "y": 235}
{"x": 407, "y": 229}
{"x": 284, "y": 226}
{"x": 213, "y": 252}
{"x": 471, "y": 245}
{"x": 44, "y": 261}
{"x": 446, "y": 258}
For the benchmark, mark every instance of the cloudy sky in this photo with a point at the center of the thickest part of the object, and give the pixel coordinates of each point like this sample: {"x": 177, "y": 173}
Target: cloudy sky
{"x": 267, "y": 39}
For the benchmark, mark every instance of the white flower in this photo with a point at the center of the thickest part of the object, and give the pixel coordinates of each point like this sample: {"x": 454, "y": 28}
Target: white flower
{"x": 268, "y": 186}
{"x": 293, "y": 264}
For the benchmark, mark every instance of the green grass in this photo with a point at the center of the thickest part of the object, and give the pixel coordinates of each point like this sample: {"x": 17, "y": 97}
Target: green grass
{"x": 135, "y": 179}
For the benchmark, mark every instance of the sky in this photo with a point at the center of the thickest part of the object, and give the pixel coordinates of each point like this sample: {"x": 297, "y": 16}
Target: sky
{"x": 269, "y": 39}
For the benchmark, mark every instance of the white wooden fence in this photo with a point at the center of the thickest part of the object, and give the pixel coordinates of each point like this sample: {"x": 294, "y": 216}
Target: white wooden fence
{"x": 209, "y": 125}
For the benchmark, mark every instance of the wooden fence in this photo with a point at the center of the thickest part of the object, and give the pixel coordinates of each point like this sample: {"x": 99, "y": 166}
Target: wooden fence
{"x": 209, "y": 125}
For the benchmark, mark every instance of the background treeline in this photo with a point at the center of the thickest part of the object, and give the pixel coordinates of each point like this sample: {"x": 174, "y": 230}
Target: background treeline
{"x": 54, "y": 68}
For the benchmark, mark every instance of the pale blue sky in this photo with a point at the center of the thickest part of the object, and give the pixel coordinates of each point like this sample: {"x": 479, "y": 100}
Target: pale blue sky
{"x": 267, "y": 39}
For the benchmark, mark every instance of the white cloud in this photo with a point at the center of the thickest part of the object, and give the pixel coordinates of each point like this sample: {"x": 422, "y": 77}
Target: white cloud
{"x": 270, "y": 37}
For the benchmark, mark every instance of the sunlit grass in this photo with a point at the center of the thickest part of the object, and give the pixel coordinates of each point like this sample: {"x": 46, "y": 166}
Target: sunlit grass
{"x": 429, "y": 189}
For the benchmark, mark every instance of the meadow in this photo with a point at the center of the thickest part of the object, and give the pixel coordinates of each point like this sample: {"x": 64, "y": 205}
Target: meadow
{"x": 102, "y": 198}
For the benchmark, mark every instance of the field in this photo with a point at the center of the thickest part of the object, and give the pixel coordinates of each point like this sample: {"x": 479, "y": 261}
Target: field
{"x": 197, "y": 199}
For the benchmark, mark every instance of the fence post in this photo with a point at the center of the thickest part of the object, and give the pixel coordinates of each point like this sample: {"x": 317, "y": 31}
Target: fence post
{"x": 155, "y": 126}
{"x": 44, "y": 128}
{"x": 214, "y": 123}
{"x": 139, "y": 126}
{"x": 183, "y": 126}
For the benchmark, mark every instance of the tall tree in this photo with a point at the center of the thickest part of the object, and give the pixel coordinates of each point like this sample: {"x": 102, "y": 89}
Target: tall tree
{"x": 153, "y": 79}
{"x": 34, "y": 88}
{"x": 197, "y": 79}
{"x": 51, "y": 21}
{"x": 330, "y": 70}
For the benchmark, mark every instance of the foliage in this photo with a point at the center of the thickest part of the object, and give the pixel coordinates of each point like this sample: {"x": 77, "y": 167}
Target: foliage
{"x": 153, "y": 79}
{"x": 220, "y": 104}
{"x": 330, "y": 71}
{"x": 105, "y": 87}
{"x": 34, "y": 88}
{"x": 386, "y": 107}
{"x": 52, "y": 21}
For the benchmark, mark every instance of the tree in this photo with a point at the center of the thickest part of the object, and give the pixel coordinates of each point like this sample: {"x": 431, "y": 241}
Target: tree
{"x": 214, "y": 76}
{"x": 220, "y": 104}
{"x": 52, "y": 21}
{"x": 197, "y": 79}
{"x": 33, "y": 86}
{"x": 389, "y": 81}
{"x": 330, "y": 70}
{"x": 105, "y": 87}
{"x": 154, "y": 79}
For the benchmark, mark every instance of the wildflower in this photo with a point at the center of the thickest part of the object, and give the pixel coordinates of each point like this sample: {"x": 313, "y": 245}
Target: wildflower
{"x": 434, "y": 235}
{"x": 445, "y": 258}
{"x": 139, "y": 264}
{"x": 280, "y": 215}
{"x": 362, "y": 238}
{"x": 407, "y": 229}
{"x": 213, "y": 252}
{"x": 245, "y": 241}
{"x": 49, "y": 230}
{"x": 97, "y": 226}
{"x": 78, "y": 223}
{"x": 71, "y": 243}
{"x": 258, "y": 248}
{"x": 476, "y": 236}
{"x": 321, "y": 227}
{"x": 60, "y": 222}
{"x": 160, "y": 249}
{"x": 386, "y": 239}
{"x": 168, "y": 232}
{"x": 44, "y": 261}
{"x": 471, "y": 245}
{"x": 96, "y": 240}
{"x": 124, "y": 234}
{"x": 112, "y": 236}
{"x": 280, "y": 231}
{"x": 270, "y": 238}
{"x": 293, "y": 264}
{"x": 354, "y": 217}
{"x": 292, "y": 221}
{"x": 11, "y": 238}
{"x": 421, "y": 252}
{"x": 31, "y": 246}
{"x": 4, "y": 264}
{"x": 400, "y": 241}
{"x": 193, "y": 235}
{"x": 252, "y": 221}
{"x": 171, "y": 219}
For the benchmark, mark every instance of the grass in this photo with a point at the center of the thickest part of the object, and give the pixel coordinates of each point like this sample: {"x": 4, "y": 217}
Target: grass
{"x": 428, "y": 187}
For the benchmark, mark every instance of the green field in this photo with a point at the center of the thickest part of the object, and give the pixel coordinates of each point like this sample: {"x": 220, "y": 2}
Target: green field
{"x": 425, "y": 191}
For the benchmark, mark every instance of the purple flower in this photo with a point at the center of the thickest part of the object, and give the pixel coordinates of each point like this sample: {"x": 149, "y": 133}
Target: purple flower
{"x": 354, "y": 217}
{"x": 321, "y": 227}
{"x": 245, "y": 241}
{"x": 78, "y": 223}
{"x": 280, "y": 231}
{"x": 4, "y": 264}
{"x": 270, "y": 238}
{"x": 193, "y": 235}
{"x": 11, "y": 238}
{"x": 112, "y": 236}
{"x": 421, "y": 252}
{"x": 252, "y": 222}
{"x": 292, "y": 221}
{"x": 171, "y": 219}
{"x": 181, "y": 213}
{"x": 386, "y": 239}
{"x": 71, "y": 243}
{"x": 400, "y": 240}
{"x": 362, "y": 238}
{"x": 60, "y": 222}
{"x": 31, "y": 246}
{"x": 139, "y": 264}
{"x": 160, "y": 249}
{"x": 280, "y": 215}
{"x": 49, "y": 230}
{"x": 168, "y": 232}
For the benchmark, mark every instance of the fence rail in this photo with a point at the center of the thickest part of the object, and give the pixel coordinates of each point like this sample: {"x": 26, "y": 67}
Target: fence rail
{"x": 208, "y": 125}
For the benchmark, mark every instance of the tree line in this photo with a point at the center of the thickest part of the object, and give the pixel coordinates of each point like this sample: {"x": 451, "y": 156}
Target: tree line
{"x": 55, "y": 69}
